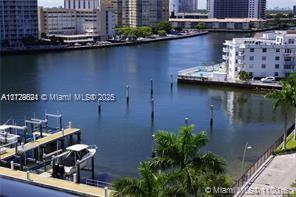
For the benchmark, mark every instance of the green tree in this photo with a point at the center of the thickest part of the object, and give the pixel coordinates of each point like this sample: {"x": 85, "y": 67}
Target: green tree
{"x": 149, "y": 184}
{"x": 286, "y": 97}
{"x": 201, "y": 26}
{"x": 164, "y": 25}
{"x": 243, "y": 75}
{"x": 182, "y": 152}
{"x": 161, "y": 33}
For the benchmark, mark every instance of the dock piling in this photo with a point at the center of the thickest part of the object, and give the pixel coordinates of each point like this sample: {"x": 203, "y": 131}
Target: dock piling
{"x": 151, "y": 88}
{"x": 93, "y": 168}
{"x": 172, "y": 81}
{"x": 106, "y": 191}
{"x": 152, "y": 109}
{"x": 70, "y": 125}
{"x": 28, "y": 175}
{"x": 127, "y": 94}
{"x": 99, "y": 107}
{"x": 211, "y": 115}
{"x": 75, "y": 178}
{"x": 186, "y": 121}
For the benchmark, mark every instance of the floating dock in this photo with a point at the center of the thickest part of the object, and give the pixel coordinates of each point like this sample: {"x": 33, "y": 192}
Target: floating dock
{"x": 53, "y": 183}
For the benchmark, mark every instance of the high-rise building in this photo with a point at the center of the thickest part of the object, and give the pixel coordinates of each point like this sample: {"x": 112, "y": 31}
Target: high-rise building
{"x": 236, "y": 8}
{"x": 82, "y": 4}
{"x": 18, "y": 21}
{"x": 187, "y": 6}
{"x": 294, "y": 10}
{"x": 140, "y": 12}
{"x": 183, "y": 6}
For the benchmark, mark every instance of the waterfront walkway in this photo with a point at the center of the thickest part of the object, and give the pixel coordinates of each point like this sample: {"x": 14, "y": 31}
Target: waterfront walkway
{"x": 215, "y": 75}
{"x": 274, "y": 178}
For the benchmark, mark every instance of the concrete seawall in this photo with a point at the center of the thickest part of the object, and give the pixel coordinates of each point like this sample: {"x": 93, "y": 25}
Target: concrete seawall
{"x": 60, "y": 49}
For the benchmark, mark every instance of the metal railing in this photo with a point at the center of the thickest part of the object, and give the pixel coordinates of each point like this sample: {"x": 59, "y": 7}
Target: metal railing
{"x": 253, "y": 168}
{"x": 98, "y": 183}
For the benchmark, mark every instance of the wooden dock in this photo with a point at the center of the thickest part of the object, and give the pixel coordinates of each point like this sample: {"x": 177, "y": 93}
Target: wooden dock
{"x": 53, "y": 183}
{"x": 48, "y": 138}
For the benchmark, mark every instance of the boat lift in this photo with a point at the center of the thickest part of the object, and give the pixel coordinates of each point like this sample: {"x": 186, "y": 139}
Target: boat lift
{"x": 59, "y": 120}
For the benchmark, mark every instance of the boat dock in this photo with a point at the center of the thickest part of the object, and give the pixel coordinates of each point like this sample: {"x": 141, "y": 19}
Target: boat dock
{"x": 53, "y": 183}
{"x": 30, "y": 152}
{"x": 48, "y": 138}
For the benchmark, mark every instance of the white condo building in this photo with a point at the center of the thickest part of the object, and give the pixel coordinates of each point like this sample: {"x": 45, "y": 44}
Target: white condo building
{"x": 271, "y": 54}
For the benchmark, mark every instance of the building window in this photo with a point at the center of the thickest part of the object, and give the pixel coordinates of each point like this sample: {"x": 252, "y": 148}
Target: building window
{"x": 277, "y": 66}
{"x": 263, "y": 65}
{"x": 277, "y": 58}
{"x": 252, "y": 50}
{"x": 291, "y": 41}
{"x": 276, "y": 74}
{"x": 251, "y": 58}
{"x": 263, "y": 58}
{"x": 264, "y": 50}
{"x": 251, "y": 74}
{"x": 278, "y": 50}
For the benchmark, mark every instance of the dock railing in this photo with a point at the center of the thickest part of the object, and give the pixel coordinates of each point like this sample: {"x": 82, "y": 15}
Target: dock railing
{"x": 253, "y": 168}
{"x": 98, "y": 183}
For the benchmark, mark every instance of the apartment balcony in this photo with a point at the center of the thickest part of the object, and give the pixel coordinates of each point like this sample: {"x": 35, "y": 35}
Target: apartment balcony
{"x": 289, "y": 55}
{"x": 241, "y": 53}
{"x": 240, "y": 61}
{"x": 225, "y": 57}
{"x": 225, "y": 49}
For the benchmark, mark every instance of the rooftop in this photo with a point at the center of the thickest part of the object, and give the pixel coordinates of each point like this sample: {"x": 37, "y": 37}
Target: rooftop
{"x": 225, "y": 20}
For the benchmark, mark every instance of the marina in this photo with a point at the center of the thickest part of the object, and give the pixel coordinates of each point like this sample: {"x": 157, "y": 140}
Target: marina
{"x": 30, "y": 161}
{"x": 237, "y": 115}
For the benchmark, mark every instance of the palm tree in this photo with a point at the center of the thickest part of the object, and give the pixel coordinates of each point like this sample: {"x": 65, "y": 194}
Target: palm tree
{"x": 181, "y": 152}
{"x": 149, "y": 184}
{"x": 291, "y": 84}
{"x": 285, "y": 98}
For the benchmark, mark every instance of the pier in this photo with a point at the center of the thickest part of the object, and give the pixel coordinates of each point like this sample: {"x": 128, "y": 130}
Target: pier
{"x": 53, "y": 183}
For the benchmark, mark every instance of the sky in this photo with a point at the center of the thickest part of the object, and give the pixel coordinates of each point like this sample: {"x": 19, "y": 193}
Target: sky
{"x": 202, "y": 3}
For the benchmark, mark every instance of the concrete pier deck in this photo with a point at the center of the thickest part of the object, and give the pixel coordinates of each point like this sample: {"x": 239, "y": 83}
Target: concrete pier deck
{"x": 53, "y": 183}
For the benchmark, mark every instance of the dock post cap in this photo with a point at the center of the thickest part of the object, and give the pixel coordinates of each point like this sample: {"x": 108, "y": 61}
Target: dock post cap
{"x": 12, "y": 165}
{"x": 75, "y": 178}
{"x": 28, "y": 175}
{"x": 106, "y": 191}
{"x": 70, "y": 124}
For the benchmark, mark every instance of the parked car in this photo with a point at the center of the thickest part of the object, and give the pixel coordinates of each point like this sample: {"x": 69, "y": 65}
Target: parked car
{"x": 269, "y": 79}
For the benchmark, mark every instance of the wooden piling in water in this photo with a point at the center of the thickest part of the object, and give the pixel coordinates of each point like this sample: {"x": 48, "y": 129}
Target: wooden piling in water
{"x": 99, "y": 107}
{"x": 172, "y": 81}
{"x": 152, "y": 109}
{"x": 211, "y": 115}
{"x": 127, "y": 94}
{"x": 186, "y": 121}
{"x": 151, "y": 88}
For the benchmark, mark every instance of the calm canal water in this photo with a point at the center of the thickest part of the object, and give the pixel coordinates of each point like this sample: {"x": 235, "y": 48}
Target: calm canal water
{"x": 123, "y": 134}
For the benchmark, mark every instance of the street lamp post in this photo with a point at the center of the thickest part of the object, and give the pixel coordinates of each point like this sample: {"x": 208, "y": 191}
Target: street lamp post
{"x": 244, "y": 155}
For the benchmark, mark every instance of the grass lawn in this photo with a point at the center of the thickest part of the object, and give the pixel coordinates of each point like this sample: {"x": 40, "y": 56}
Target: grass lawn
{"x": 290, "y": 146}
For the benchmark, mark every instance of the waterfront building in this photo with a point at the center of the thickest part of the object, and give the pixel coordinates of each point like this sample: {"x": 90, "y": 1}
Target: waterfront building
{"x": 218, "y": 24}
{"x": 182, "y": 6}
{"x": 270, "y": 54}
{"x": 236, "y": 8}
{"x": 59, "y": 21}
{"x": 136, "y": 13}
{"x": 82, "y": 4}
{"x": 18, "y": 21}
{"x": 294, "y": 10}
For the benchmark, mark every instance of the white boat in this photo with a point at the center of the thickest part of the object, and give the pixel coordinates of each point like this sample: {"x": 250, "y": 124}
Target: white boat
{"x": 5, "y": 136}
{"x": 74, "y": 154}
